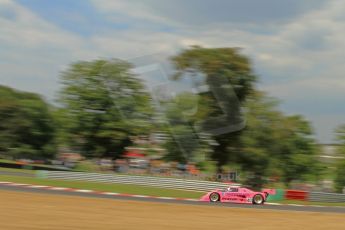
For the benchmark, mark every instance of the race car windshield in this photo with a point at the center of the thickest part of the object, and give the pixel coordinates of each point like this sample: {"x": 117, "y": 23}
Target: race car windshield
{"x": 233, "y": 189}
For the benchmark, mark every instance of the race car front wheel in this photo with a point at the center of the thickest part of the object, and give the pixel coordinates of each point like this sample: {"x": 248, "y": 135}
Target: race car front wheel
{"x": 214, "y": 197}
{"x": 258, "y": 199}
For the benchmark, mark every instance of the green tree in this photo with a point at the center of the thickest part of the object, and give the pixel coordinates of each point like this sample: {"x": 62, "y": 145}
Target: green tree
{"x": 221, "y": 67}
{"x": 104, "y": 104}
{"x": 339, "y": 182}
{"x": 27, "y": 128}
{"x": 340, "y": 132}
{"x": 299, "y": 151}
{"x": 340, "y": 168}
{"x": 184, "y": 144}
{"x": 258, "y": 139}
{"x": 273, "y": 144}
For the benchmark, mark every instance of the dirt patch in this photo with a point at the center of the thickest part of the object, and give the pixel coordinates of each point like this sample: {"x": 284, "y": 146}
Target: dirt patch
{"x": 19, "y": 210}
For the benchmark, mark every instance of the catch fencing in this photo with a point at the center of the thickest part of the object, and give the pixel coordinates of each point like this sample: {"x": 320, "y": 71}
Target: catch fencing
{"x": 161, "y": 182}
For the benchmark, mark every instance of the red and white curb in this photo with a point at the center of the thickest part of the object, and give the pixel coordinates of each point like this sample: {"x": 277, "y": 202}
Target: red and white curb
{"x": 45, "y": 187}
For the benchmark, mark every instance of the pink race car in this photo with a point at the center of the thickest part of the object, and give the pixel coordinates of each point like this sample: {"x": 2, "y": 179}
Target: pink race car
{"x": 238, "y": 195}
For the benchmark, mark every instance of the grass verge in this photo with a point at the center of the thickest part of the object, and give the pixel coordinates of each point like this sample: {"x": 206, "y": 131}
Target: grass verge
{"x": 17, "y": 170}
{"x": 128, "y": 189}
{"x": 118, "y": 188}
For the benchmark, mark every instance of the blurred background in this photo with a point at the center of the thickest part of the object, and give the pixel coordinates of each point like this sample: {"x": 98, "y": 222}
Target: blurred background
{"x": 231, "y": 91}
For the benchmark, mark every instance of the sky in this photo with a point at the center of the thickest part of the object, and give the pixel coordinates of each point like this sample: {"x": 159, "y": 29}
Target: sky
{"x": 297, "y": 47}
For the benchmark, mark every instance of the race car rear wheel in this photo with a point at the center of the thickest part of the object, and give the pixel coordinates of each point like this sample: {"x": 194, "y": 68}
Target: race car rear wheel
{"x": 214, "y": 197}
{"x": 258, "y": 199}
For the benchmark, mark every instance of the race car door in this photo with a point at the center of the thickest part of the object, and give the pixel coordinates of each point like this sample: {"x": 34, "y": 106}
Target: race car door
{"x": 231, "y": 195}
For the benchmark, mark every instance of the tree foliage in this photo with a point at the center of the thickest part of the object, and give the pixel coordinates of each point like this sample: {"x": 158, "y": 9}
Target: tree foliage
{"x": 27, "y": 128}
{"x": 270, "y": 143}
{"x": 276, "y": 145}
{"x": 340, "y": 135}
{"x": 340, "y": 168}
{"x": 104, "y": 104}
{"x": 218, "y": 62}
{"x": 339, "y": 181}
{"x": 222, "y": 67}
{"x": 183, "y": 144}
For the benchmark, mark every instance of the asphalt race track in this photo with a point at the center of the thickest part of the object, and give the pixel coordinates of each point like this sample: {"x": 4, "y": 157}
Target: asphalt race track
{"x": 184, "y": 202}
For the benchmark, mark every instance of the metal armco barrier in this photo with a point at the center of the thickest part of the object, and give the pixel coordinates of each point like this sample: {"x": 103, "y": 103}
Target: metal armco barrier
{"x": 326, "y": 197}
{"x": 296, "y": 195}
{"x": 161, "y": 182}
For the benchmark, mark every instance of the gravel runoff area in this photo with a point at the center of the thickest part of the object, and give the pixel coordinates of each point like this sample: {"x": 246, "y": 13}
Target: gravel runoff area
{"x": 24, "y": 210}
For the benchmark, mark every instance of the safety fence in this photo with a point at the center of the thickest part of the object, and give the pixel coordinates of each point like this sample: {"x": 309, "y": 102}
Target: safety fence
{"x": 161, "y": 182}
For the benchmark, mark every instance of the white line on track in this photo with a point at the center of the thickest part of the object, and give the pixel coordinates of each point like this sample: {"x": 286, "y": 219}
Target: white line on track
{"x": 273, "y": 204}
{"x": 296, "y": 205}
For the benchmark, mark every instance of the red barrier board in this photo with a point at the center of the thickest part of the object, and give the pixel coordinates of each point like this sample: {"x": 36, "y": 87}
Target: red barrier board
{"x": 296, "y": 195}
